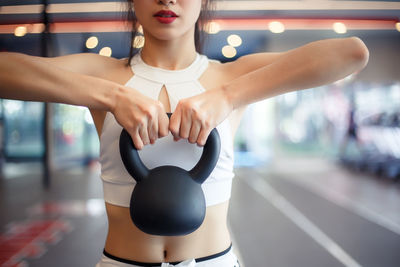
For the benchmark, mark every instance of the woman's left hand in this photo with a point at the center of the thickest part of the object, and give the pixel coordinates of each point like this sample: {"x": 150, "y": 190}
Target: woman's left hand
{"x": 196, "y": 116}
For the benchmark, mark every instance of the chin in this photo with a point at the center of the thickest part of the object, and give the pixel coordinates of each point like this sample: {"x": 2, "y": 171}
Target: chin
{"x": 166, "y": 36}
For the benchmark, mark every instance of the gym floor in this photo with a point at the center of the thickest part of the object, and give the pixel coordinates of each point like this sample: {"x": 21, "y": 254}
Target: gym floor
{"x": 296, "y": 211}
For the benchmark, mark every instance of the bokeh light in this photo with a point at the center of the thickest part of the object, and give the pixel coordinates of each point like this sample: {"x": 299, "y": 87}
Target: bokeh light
{"x": 92, "y": 42}
{"x": 138, "y": 42}
{"x": 234, "y": 40}
{"x": 106, "y": 51}
{"x": 276, "y": 27}
{"x": 229, "y": 51}
{"x": 212, "y": 27}
{"x": 20, "y": 31}
{"x": 339, "y": 27}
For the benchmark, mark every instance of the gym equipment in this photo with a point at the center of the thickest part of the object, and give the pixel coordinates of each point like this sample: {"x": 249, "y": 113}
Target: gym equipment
{"x": 380, "y": 153}
{"x": 168, "y": 200}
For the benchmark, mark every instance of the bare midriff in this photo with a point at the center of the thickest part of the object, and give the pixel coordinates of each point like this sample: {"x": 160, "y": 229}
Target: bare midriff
{"x": 126, "y": 241}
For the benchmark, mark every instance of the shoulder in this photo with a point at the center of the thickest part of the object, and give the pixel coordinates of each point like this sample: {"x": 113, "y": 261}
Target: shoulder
{"x": 220, "y": 73}
{"x": 87, "y": 63}
{"x": 241, "y": 66}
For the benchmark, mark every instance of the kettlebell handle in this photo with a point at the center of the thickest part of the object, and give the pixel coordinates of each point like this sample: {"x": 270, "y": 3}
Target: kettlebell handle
{"x": 200, "y": 172}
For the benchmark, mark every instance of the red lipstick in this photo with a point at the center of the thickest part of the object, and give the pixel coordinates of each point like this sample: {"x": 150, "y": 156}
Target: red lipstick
{"x": 165, "y": 16}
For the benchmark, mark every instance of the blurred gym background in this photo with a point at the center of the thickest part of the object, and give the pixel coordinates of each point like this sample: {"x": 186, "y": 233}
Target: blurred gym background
{"x": 320, "y": 167}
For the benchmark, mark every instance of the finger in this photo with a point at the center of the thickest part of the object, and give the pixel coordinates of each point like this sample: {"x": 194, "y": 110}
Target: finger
{"x": 185, "y": 125}
{"x": 137, "y": 141}
{"x": 174, "y": 124}
{"x": 152, "y": 129}
{"x": 144, "y": 135}
{"x": 163, "y": 124}
{"x": 203, "y": 135}
{"x": 194, "y": 132}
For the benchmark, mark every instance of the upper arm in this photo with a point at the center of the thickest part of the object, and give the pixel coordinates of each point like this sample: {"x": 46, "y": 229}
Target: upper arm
{"x": 83, "y": 63}
{"x": 345, "y": 49}
{"x": 251, "y": 62}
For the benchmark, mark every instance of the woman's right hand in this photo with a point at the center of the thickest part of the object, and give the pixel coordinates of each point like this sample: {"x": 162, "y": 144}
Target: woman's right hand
{"x": 143, "y": 118}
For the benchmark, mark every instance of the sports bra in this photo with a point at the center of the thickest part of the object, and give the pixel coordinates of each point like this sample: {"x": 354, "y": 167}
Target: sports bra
{"x": 148, "y": 80}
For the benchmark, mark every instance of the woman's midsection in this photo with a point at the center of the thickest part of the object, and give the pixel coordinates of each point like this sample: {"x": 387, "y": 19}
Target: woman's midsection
{"x": 126, "y": 241}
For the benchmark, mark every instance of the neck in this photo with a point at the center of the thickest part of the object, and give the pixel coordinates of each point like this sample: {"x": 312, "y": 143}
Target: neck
{"x": 170, "y": 55}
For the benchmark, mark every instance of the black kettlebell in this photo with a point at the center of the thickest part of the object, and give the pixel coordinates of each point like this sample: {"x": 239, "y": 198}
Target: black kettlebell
{"x": 168, "y": 200}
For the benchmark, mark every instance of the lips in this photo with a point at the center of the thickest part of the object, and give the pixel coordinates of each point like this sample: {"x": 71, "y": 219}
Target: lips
{"x": 165, "y": 16}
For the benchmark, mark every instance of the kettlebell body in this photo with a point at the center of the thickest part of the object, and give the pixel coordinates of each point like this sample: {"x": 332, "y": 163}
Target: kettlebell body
{"x": 168, "y": 200}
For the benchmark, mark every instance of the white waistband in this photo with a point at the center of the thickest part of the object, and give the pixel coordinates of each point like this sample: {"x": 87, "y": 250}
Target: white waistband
{"x": 227, "y": 259}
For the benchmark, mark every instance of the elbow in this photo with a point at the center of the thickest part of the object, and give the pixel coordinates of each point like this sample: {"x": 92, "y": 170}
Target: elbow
{"x": 359, "y": 52}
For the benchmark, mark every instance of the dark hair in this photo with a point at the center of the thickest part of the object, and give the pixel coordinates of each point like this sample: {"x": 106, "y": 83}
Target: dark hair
{"x": 199, "y": 35}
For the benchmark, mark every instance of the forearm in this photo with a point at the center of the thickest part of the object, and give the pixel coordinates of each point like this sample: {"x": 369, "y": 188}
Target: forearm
{"x": 27, "y": 78}
{"x": 310, "y": 66}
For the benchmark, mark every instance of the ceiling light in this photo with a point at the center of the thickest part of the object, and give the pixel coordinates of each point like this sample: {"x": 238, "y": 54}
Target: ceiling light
{"x": 339, "y": 27}
{"x": 20, "y": 31}
{"x": 276, "y": 27}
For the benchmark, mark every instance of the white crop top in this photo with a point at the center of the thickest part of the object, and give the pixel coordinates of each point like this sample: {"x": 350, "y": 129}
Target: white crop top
{"x": 117, "y": 183}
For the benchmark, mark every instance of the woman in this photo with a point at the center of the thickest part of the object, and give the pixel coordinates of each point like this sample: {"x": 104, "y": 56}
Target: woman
{"x": 168, "y": 75}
